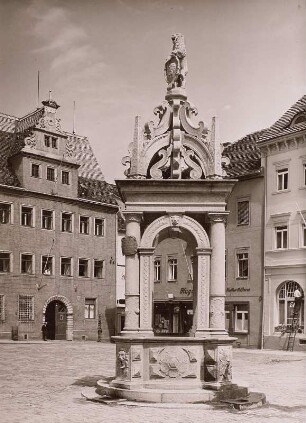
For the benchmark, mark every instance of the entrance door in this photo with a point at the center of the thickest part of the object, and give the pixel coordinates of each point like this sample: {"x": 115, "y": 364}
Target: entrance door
{"x": 56, "y": 318}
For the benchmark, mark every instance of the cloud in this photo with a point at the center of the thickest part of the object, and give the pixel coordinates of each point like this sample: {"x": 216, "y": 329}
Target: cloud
{"x": 64, "y": 41}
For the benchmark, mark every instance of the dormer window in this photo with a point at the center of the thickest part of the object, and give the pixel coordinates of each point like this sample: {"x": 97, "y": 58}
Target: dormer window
{"x": 47, "y": 141}
{"x": 54, "y": 142}
{"x": 299, "y": 119}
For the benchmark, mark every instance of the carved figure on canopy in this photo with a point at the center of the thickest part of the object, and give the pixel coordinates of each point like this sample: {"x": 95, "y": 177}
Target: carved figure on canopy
{"x": 176, "y": 64}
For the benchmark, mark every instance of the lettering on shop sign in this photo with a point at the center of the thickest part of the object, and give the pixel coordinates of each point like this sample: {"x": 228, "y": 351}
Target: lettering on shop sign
{"x": 185, "y": 291}
{"x": 238, "y": 289}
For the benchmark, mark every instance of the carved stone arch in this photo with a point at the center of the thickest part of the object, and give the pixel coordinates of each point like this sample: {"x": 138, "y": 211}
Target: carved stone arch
{"x": 202, "y": 151}
{"x": 69, "y": 329}
{"x": 167, "y": 221}
{"x": 153, "y": 147}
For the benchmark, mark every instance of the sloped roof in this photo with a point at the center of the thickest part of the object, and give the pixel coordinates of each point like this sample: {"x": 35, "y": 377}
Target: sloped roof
{"x": 282, "y": 125}
{"x": 243, "y": 156}
{"x": 97, "y": 191}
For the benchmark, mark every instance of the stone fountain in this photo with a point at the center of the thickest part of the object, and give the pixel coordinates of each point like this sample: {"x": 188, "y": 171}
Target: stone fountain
{"x": 174, "y": 184}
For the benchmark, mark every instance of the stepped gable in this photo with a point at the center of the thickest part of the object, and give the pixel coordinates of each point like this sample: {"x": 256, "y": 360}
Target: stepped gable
{"x": 294, "y": 120}
{"x": 96, "y": 190}
{"x": 243, "y": 156}
{"x": 81, "y": 150}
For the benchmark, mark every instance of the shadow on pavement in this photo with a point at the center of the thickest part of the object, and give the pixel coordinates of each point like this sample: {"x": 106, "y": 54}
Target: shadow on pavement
{"x": 91, "y": 381}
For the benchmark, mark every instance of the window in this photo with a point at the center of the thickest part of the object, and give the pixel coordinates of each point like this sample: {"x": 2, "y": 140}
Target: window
{"x": 286, "y": 304}
{"x": 243, "y": 265}
{"x": 304, "y": 173}
{"x": 90, "y": 308}
{"x": 2, "y": 308}
{"x": 99, "y": 227}
{"x": 5, "y": 261}
{"x": 282, "y": 179}
{"x": 243, "y": 214}
{"x": 50, "y": 174}
{"x": 47, "y": 219}
{"x": 26, "y": 308}
{"x": 172, "y": 269}
{"x": 47, "y": 265}
{"x": 157, "y": 269}
{"x": 27, "y": 263}
{"x": 241, "y": 318}
{"x": 99, "y": 269}
{"x": 26, "y": 216}
{"x": 281, "y": 237}
{"x": 65, "y": 177}
{"x": 47, "y": 141}
{"x": 83, "y": 268}
{"x": 5, "y": 213}
{"x": 66, "y": 267}
{"x": 35, "y": 170}
{"x": 303, "y": 235}
{"x": 54, "y": 142}
{"x": 66, "y": 222}
{"x": 84, "y": 225}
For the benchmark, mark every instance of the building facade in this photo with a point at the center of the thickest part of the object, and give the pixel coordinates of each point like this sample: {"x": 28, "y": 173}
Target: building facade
{"x": 283, "y": 150}
{"x": 58, "y": 228}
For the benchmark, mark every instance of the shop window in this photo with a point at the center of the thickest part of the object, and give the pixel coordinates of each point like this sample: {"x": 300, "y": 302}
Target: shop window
{"x": 157, "y": 270}
{"x": 172, "y": 269}
{"x": 35, "y": 171}
{"x": 99, "y": 227}
{"x": 84, "y": 225}
{"x": 27, "y": 264}
{"x": 282, "y": 179}
{"x": 66, "y": 266}
{"x": 25, "y": 308}
{"x": 243, "y": 212}
{"x": 47, "y": 265}
{"x": 83, "y": 268}
{"x": 50, "y": 174}
{"x": 65, "y": 177}
{"x": 66, "y": 222}
{"x": 5, "y": 261}
{"x": 281, "y": 233}
{"x": 242, "y": 265}
{"x": 90, "y": 308}
{"x": 286, "y": 304}
{"x": 99, "y": 269}
{"x": 2, "y": 308}
{"x": 27, "y": 216}
{"x": 47, "y": 219}
{"x": 5, "y": 213}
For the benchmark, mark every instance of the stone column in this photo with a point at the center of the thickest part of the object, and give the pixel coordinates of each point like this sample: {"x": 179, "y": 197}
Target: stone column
{"x": 217, "y": 275}
{"x": 146, "y": 291}
{"x": 131, "y": 326}
{"x": 201, "y": 317}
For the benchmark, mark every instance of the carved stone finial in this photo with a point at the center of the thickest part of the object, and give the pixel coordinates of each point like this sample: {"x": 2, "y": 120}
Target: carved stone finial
{"x": 176, "y": 64}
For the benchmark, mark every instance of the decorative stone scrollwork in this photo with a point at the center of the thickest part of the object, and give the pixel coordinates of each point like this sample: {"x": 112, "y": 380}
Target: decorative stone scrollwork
{"x": 194, "y": 169}
{"x": 201, "y": 131}
{"x": 157, "y": 169}
{"x": 30, "y": 141}
{"x": 172, "y": 362}
{"x": 163, "y": 112}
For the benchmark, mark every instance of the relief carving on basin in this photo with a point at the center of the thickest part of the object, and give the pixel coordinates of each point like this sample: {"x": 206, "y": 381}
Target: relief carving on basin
{"x": 172, "y": 363}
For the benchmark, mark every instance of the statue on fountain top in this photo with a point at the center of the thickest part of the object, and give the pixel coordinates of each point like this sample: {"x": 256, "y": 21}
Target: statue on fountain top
{"x": 176, "y": 64}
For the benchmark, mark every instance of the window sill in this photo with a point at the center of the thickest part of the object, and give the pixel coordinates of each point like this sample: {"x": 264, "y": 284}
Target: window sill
{"x": 83, "y": 233}
{"x": 157, "y": 281}
{"x": 172, "y": 281}
{"x": 66, "y": 276}
{"x": 243, "y": 225}
{"x": 281, "y": 192}
{"x": 242, "y": 278}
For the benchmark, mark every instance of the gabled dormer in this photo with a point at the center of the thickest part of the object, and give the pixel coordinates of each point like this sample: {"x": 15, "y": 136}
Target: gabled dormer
{"x": 42, "y": 156}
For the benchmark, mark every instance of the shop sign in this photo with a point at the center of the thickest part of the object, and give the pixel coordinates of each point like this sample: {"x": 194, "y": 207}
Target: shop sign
{"x": 185, "y": 291}
{"x": 242, "y": 289}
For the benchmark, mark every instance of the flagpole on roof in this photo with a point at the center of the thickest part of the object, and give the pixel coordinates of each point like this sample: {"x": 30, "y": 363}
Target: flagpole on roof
{"x": 73, "y": 123}
{"x": 37, "y": 89}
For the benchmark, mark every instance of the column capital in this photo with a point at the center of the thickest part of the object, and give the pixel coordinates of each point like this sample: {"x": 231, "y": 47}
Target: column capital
{"x": 132, "y": 216}
{"x": 203, "y": 251}
{"x": 217, "y": 217}
{"x": 146, "y": 251}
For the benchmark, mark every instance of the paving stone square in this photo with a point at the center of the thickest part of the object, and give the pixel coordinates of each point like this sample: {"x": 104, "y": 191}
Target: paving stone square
{"x": 43, "y": 382}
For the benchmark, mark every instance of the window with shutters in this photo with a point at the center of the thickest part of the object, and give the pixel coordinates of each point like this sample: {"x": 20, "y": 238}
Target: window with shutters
{"x": 243, "y": 212}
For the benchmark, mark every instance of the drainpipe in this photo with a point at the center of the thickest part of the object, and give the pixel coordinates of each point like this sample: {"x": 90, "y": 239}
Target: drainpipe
{"x": 264, "y": 256}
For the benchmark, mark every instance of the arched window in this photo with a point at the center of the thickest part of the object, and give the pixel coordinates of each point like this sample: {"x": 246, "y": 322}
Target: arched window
{"x": 286, "y": 304}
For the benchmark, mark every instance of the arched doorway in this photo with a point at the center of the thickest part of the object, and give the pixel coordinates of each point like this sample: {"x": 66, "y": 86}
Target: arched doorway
{"x": 285, "y": 299}
{"x": 56, "y": 318}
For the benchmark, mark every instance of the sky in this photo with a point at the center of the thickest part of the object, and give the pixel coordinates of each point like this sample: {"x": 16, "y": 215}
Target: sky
{"x": 246, "y": 61}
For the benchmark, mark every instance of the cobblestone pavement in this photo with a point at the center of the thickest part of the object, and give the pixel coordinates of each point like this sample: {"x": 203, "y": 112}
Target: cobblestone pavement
{"x": 42, "y": 382}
